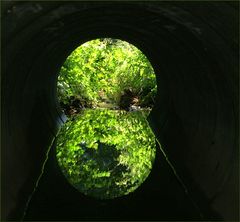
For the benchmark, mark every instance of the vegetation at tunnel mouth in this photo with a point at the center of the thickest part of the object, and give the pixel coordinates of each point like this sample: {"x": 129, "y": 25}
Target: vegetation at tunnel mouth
{"x": 106, "y": 88}
{"x": 106, "y": 73}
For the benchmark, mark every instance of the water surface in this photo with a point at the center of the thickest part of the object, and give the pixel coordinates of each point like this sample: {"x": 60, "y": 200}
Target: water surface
{"x": 106, "y": 153}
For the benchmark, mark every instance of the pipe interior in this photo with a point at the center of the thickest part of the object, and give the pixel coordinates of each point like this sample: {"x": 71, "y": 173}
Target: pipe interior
{"x": 193, "y": 48}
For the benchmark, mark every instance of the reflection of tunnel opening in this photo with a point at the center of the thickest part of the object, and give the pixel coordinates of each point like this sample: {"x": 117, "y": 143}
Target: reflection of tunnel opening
{"x": 106, "y": 163}
{"x": 199, "y": 107}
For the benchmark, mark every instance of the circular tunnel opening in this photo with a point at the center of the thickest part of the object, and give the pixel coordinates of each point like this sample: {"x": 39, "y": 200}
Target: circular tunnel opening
{"x": 106, "y": 88}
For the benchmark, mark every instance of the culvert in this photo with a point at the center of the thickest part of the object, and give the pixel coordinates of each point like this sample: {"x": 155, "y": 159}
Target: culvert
{"x": 193, "y": 47}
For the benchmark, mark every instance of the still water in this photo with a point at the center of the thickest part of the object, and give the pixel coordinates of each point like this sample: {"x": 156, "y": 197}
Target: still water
{"x": 106, "y": 153}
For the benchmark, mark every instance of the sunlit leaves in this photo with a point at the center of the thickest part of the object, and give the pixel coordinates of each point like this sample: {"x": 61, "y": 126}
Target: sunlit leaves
{"x": 107, "y": 65}
{"x": 106, "y": 153}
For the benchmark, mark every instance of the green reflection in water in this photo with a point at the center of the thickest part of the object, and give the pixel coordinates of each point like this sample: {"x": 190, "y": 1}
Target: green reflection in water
{"x": 106, "y": 153}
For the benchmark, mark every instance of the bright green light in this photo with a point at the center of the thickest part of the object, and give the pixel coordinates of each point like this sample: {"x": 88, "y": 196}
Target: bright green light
{"x": 106, "y": 153}
{"x": 100, "y": 70}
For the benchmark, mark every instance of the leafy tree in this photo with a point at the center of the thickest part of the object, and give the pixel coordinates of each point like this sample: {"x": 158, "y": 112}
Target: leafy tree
{"x": 101, "y": 70}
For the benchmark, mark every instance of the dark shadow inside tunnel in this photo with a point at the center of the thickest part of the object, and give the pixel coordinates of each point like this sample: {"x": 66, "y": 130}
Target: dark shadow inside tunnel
{"x": 194, "y": 44}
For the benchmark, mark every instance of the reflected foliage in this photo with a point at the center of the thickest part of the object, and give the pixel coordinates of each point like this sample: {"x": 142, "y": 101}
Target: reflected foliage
{"x": 106, "y": 153}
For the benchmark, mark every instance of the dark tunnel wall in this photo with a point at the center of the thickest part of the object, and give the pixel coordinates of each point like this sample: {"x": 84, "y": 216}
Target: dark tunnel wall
{"x": 193, "y": 47}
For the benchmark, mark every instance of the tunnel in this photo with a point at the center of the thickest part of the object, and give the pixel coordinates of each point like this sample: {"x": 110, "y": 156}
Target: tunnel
{"x": 193, "y": 48}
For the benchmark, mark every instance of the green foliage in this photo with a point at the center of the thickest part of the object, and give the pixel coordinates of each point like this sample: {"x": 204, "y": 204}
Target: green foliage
{"x": 100, "y": 71}
{"x": 106, "y": 153}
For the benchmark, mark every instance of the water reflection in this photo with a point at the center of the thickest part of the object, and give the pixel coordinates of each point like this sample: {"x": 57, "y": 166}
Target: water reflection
{"x": 106, "y": 153}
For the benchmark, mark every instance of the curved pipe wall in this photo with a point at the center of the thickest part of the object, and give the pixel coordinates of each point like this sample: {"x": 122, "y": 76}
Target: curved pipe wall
{"x": 193, "y": 47}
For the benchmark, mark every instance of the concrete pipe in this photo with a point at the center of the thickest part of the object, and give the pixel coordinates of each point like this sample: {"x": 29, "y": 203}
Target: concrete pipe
{"x": 193, "y": 47}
